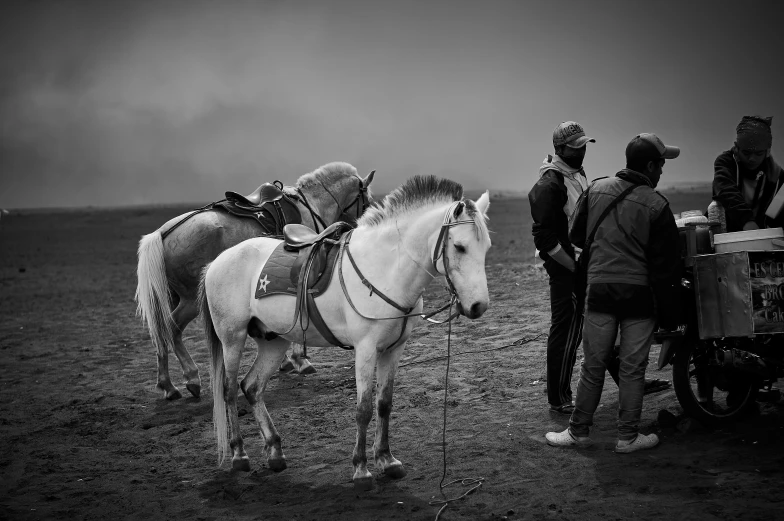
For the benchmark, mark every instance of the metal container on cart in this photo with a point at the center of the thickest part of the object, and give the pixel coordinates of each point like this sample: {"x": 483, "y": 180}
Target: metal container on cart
{"x": 739, "y": 294}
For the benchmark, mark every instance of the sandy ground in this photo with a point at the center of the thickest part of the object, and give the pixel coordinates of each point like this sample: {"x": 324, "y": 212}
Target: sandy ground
{"x": 85, "y": 435}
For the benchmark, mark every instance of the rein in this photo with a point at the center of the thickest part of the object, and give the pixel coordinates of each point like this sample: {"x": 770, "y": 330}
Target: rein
{"x": 361, "y": 196}
{"x": 313, "y": 214}
{"x": 439, "y": 251}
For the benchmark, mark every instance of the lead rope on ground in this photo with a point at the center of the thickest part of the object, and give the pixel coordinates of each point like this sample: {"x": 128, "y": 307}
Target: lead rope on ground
{"x": 476, "y": 482}
{"x": 518, "y": 342}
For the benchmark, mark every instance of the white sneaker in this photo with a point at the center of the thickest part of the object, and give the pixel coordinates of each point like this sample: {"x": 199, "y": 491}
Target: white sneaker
{"x": 565, "y": 439}
{"x": 641, "y": 442}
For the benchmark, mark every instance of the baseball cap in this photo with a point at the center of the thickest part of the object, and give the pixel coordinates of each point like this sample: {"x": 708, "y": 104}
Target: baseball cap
{"x": 571, "y": 134}
{"x": 648, "y": 147}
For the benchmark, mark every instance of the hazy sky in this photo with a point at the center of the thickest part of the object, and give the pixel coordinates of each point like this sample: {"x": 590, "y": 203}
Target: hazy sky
{"x": 156, "y": 102}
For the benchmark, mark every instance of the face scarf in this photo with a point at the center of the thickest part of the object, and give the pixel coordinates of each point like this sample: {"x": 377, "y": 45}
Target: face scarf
{"x": 753, "y": 133}
{"x": 574, "y": 162}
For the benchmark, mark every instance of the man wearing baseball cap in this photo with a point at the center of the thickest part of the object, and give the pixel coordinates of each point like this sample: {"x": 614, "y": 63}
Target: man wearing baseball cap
{"x": 746, "y": 178}
{"x": 634, "y": 270}
{"x": 553, "y": 199}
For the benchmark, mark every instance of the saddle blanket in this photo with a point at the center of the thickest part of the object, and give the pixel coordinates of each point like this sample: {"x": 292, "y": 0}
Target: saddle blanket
{"x": 280, "y": 274}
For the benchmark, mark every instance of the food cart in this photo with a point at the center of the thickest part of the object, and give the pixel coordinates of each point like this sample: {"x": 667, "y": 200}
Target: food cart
{"x": 731, "y": 344}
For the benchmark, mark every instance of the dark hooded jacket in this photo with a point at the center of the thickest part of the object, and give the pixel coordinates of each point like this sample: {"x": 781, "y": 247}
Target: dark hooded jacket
{"x": 728, "y": 190}
{"x": 552, "y": 200}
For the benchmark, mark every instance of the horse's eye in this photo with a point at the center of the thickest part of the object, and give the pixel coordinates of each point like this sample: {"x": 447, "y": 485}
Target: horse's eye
{"x": 460, "y": 248}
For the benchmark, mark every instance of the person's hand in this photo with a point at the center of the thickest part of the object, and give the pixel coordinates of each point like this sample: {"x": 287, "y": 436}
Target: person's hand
{"x": 563, "y": 258}
{"x": 751, "y": 225}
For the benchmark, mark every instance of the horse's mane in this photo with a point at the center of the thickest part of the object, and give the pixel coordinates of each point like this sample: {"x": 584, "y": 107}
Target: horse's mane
{"x": 416, "y": 192}
{"x": 327, "y": 174}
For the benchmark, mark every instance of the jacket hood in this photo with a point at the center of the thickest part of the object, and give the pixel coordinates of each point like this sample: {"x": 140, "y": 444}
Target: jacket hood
{"x": 574, "y": 180}
{"x": 634, "y": 176}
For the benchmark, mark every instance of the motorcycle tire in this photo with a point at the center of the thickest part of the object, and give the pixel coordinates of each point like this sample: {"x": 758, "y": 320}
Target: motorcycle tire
{"x": 722, "y": 403}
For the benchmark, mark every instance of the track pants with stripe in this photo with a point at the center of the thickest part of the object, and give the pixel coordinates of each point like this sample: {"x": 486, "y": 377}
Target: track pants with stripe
{"x": 565, "y": 336}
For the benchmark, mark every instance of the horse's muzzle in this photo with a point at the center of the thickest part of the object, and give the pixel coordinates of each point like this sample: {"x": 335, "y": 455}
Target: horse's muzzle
{"x": 476, "y": 310}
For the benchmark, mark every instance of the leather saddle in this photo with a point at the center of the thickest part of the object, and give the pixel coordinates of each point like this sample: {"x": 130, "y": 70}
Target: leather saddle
{"x": 268, "y": 205}
{"x": 309, "y": 259}
{"x": 299, "y": 236}
{"x": 316, "y": 255}
{"x": 266, "y": 193}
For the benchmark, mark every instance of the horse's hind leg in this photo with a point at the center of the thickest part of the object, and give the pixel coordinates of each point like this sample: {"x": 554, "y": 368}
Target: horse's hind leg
{"x": 365, "y": 363}
{"x": 386, "y": 367}
{"x": 170, "y": 391}
{"x": 270, "y": 353}
{"x": 183, "y": 314}
{"x": 232, "y": 355}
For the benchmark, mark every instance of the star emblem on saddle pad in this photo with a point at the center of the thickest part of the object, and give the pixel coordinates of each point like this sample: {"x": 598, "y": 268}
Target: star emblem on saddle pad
{"x": 263, "y": 284}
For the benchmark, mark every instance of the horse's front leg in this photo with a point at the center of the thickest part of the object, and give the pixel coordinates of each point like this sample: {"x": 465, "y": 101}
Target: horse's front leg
{"x": 365, "y": 364}
{"x": 386, "y": 367}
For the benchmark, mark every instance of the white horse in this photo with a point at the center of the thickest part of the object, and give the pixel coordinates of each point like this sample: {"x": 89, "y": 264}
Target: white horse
{"x": 169, "y": 271}
{"x": 419, "y": 231}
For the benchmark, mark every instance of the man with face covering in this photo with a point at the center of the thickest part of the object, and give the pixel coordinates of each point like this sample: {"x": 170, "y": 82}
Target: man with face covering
{"x": 553, "y": 198}
{"x": 746, "y": 178}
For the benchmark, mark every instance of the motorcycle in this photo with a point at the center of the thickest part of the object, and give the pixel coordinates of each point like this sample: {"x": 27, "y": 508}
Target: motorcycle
{"x": 729, "y": 350}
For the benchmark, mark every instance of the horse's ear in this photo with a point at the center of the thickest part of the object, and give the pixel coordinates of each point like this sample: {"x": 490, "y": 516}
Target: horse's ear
{"x": 483, "y": 203}
{"x": 458, "y": 209}
{"x": 369, "y": 179}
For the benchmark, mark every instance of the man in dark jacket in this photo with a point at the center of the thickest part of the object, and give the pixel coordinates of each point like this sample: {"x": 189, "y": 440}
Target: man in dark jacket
{"x": 746, "y": 178}
{"x": 634, "y": 271}
{"x": 561, "y": 182}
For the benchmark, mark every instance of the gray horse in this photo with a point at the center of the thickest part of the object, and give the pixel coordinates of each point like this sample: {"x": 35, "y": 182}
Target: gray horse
{"x": 169, "y": 270}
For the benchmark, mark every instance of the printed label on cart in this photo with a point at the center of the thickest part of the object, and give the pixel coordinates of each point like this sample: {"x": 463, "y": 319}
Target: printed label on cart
{"x": 766, "y": 276}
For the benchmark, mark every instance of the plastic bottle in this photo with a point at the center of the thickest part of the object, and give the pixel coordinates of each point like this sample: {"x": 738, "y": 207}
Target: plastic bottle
{"x": 716, "y": 215}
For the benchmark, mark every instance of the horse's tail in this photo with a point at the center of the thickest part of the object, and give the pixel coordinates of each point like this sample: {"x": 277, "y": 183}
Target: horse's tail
{"x": 152, "y": 293}
{"x": 217, "y": 371}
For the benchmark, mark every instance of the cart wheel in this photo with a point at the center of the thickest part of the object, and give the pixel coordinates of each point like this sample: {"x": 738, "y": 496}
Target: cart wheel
{"x": 708, "y": 393}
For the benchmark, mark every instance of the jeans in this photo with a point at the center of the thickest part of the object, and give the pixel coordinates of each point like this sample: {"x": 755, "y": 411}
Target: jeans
{"x": 565, "y": 336}
{"x": 599, "y": 332}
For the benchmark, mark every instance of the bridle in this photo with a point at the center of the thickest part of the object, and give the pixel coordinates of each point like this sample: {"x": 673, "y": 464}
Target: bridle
{"x": 439, "y": 251}
{"x": 361, "y": 201}
{"x": 443, "y": 237}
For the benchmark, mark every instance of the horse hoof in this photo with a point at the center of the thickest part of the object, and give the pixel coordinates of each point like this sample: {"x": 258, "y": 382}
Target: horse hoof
{"x": 288, "y": 365}
{"x": 363, "y": 484}
{"x": 195, "y": 389}
{"x": 173, "y": 394}
{"x": 308, "y": 369}
{"x": 242, "y": 464}
{"x": 395, "y": 471}
{"x": 277, "y": 464}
